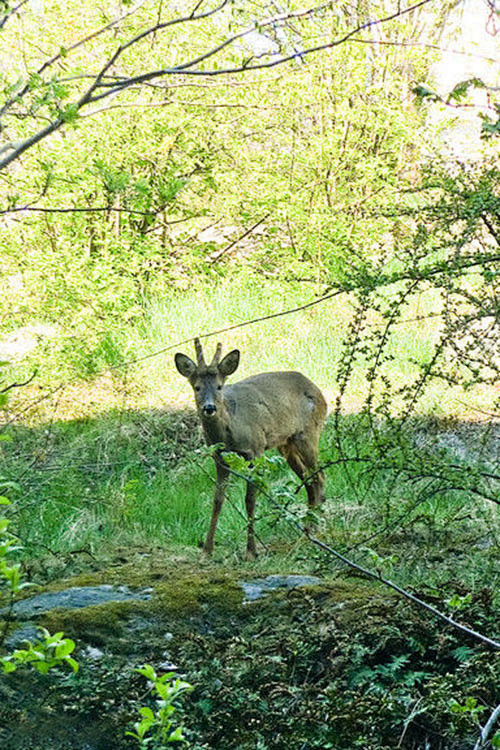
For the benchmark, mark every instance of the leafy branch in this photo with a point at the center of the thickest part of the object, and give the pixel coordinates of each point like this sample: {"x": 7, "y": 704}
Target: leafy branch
{"x": 107, "y": 83}
{"x": 305, "y": 530}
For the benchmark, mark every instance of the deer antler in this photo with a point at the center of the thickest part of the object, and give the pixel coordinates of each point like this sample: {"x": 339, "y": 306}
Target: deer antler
{"x": 199, "y": 353}
{"x": 216, "y": 358}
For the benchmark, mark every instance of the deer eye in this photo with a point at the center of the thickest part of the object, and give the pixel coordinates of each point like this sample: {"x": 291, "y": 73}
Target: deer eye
{"x": 197, "y": 388}
{"x": 219, "y": 388}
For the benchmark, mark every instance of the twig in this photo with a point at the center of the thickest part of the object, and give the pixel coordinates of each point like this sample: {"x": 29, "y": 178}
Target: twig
{"x": 226, "y": 249}
{"x": 12, "y": 12}
{"x": 486, "y": 730}
{"x": 366, "y": 572}
{"x": 19, "y": 385}
{"x": 77, "y": 209}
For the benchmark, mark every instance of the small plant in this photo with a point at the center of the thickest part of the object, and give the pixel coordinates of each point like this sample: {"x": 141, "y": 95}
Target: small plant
{"x": 457, "y": 602}
{"x": 156, "y": 728}
{"x": 43, "y": 655}
{"x": 50, "y": 650}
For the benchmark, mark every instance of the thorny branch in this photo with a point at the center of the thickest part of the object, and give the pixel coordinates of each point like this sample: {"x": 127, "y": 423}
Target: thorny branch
{"x": 366, "y": 572}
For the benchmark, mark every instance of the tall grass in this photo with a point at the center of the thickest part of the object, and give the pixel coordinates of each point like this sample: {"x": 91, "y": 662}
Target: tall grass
{"x": 140, "y": 479}
{"x": 312, "y": 341}
{"x": 112, "y": 461}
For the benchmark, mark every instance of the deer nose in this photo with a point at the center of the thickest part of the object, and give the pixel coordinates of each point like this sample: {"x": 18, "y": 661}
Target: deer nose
{"x": 209, "y": 409}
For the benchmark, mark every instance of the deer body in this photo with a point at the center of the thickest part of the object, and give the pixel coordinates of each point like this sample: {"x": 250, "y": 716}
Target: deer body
{"x": 282, "y": 410}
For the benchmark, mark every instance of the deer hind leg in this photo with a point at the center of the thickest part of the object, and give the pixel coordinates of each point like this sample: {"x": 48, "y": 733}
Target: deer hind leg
{"x": 307, "y": 446}
{"x": 220, "y": 493}
{"x": 302, "y": 455}
{"x": 292, "y": 456}
{"x": 250, "y": 505}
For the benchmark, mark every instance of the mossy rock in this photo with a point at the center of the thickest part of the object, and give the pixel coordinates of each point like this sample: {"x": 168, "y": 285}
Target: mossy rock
{"x": 333, "y": 665}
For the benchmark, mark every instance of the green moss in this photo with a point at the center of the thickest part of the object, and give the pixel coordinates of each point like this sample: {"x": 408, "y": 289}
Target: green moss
{"x": 197, "y": 591}
{"x": 179, "y": 592}
{"x": 100, "y": 623}
{"x": 176, "y": 594}
{"x": 315, "y": 665}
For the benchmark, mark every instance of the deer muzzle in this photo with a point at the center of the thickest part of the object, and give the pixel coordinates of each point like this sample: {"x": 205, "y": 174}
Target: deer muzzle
{"x": 209, "y": 410}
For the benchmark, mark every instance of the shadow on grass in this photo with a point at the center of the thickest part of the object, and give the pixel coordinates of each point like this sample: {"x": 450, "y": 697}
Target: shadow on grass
{"x": 126, "y": 479}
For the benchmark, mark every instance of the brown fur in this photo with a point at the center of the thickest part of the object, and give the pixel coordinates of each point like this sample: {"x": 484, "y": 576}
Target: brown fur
{"x": 282, "y": 410}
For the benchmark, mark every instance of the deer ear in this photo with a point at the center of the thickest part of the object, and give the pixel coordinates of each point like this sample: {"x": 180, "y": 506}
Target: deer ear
{"x": 229, "y": 364}
{"x": 185, "y": 365}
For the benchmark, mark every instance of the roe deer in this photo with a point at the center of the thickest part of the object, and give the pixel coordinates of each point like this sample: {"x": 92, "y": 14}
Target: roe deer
{"x": 282, "y": 410}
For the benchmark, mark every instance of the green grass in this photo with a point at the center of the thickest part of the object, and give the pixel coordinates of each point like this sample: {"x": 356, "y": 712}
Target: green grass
{"x": 310, "y": 341}
{"x": 117, "y": 461}
{"x": 134, "y": 480}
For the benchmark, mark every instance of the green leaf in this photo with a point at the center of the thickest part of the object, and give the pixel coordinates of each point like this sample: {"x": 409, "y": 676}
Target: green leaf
{"x": 147, "y": 671}
{"x": 422, "y": 92}
{"x": 147, "y": 713}
{"x": 72, "y": 663}
{"x": 6, "y": 484}
{"x": 7, "y": 665}
{"x": 69, "y": 113}
{"x": 462, "y": 88}
{"x": 42, "y": 667}
{"x": 143, "y": 726}
{"x": 176, "y": 735}
{"x": 65, "y": 648}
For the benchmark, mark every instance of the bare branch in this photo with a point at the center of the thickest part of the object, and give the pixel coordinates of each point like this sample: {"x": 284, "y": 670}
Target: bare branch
{"x": 19, "y": 385}
{"x": 70, "y": 210}
{"x": 486, "y": 730}
{"x": 186, "y": 68}
{"x": 403, "y": 592}
{"x": 12, "y": 151}
{"x": 218, "y": 256}
{"x": 427, "y": 45}
{"x": 12, "y": 12}
{"x": 87, "y": 97}
{"x": 58, "y": 56}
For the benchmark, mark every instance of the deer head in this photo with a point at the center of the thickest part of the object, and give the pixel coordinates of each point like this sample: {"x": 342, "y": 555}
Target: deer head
{"x": 207, "y": 380}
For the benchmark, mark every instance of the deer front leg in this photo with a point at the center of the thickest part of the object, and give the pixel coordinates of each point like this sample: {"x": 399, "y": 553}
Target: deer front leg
{"x": 250, "y": 505}
{"x": 220, "y": 492}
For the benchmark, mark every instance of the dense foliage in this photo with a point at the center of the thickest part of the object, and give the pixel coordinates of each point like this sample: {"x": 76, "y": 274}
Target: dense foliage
{"x": 162, "y": 182}
{"x": 164, "y": 176}
{"x": 338, "y": 666}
